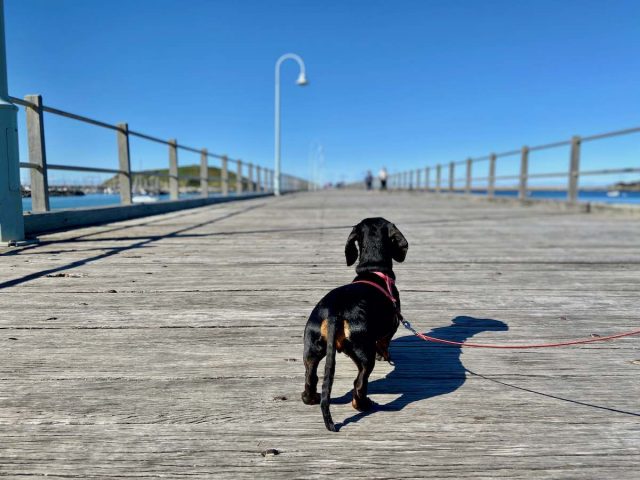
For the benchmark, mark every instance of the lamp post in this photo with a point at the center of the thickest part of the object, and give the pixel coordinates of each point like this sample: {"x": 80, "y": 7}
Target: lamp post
{"x": 302, "y": 81}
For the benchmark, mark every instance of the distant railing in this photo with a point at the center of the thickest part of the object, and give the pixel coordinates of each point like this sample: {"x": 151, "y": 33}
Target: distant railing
{"x": 411, "y": 179}
{"x": 38, "y": 165}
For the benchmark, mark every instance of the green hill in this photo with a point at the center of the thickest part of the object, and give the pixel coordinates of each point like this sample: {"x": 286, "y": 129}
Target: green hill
{"x": 146, "y": 179}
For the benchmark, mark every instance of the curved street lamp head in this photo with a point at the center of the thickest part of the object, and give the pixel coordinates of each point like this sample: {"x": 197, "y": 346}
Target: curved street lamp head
{"x": 302, "y": 80}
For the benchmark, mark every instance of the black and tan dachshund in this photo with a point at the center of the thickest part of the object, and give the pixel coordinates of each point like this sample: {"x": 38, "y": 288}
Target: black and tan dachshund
{"x": 358, "y": 319}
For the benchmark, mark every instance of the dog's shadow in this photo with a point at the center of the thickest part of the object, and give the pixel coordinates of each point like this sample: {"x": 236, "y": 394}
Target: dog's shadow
{"x": 424, "y": 369}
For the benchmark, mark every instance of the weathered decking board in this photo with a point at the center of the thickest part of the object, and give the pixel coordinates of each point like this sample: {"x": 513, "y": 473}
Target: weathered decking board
{"x": 170, "y": 346}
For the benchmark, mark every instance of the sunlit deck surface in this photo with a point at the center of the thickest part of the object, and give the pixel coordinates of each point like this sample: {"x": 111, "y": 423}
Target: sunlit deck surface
{"x": 171, "y": 346}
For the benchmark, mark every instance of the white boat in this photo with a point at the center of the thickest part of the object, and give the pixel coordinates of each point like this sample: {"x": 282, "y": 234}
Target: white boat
{"x": 144, "y": 199}
{"x": 613, "y": 193}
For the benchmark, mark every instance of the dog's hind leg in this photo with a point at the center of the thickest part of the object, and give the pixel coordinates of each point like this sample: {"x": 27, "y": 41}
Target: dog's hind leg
{"x": 365, "y": 361}
{"x": 312, "y": 356}
{"x": 382, "y": 348}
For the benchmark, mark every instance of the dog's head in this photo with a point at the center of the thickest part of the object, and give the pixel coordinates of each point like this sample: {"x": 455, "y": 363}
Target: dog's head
{"x": 379, "y": 242}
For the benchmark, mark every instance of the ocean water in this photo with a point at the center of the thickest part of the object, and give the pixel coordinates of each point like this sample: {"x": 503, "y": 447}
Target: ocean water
{"x": 583, "y": 196}
{"x": 92, "y": 200}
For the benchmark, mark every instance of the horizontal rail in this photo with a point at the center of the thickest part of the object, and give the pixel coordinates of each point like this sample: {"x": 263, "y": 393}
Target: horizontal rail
{"x": 80, "y": 118}
{"x": 537, "y": 148}
{"x": 506, "y": 177}
{"x": 615, "y": 133}
{"x": 77, "y": 168}
{"x": 547, "y": 175}
{"x": 609, "y": 171}
{"x": 72, "y": 168}
{"x": 35, "y": 166}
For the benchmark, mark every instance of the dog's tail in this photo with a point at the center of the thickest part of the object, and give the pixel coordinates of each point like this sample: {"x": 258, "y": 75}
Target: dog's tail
{"x": 329, "y": 370}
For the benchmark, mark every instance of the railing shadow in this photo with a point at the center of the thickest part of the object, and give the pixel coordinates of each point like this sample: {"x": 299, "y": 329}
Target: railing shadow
{"x": 424, "y": 370}
{"x": 111, "y": 251}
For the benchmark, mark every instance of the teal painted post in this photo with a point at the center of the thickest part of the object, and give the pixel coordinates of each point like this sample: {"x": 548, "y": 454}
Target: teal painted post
{"x": 11, "y": 219}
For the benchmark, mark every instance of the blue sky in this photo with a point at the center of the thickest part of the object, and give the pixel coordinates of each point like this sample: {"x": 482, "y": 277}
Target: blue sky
{"x": 398, "y": 83}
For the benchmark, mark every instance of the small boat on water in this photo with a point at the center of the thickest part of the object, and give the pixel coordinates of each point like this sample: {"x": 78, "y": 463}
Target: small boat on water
{"x": 613, "y": 193}
{"x": 144, "y": 199}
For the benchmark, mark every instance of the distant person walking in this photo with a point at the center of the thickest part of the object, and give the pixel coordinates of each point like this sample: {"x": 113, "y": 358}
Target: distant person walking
{"x": 368, "y": 180}
{"x": 382, "y": 176}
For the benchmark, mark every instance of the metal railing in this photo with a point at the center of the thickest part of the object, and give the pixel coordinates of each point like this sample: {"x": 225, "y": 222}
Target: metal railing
{"x": 411, "y": 179}
{"x": 263, "y": 181}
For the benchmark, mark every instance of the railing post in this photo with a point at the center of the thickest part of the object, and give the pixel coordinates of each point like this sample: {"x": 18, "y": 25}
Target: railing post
{"x": 438, "y": 178}
{"x": 574, "y": 170}
{"x": 524, "y": 173}
{"x": 204, "y": 173}
{"x": 11, "y": 216}
{"x": 258, "y": 178}
{"x": 252, "y": 187}
{"x": 239, "y": 178}
{"x": 491, "y": 186}
{"x": 452, "y": 176}
{"x": 224, "y": 173}
{"x": 427, "y": 171}
{"x": 37, "y": 154}
{"x": 418, "y": 179}
{"x": 124, "y": 163}
{"x": 410, "y": 179}
{"x": 467, "y": 187}
{"x": 174, "y": 190}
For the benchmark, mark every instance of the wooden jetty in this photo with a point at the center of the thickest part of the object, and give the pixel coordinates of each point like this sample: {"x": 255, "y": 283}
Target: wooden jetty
{"x": 170, "y": 346}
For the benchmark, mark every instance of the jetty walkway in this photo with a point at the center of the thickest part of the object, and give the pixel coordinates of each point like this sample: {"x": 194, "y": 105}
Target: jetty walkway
{"x": 170, "y": 346}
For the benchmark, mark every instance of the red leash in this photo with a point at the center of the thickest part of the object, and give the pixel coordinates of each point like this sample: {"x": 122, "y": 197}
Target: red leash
{"x": 427, "y": 338}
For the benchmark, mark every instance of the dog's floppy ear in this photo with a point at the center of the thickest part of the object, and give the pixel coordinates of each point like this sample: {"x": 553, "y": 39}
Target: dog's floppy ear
{"x": 350, "y": 249}
{"x": 399, "y": 244}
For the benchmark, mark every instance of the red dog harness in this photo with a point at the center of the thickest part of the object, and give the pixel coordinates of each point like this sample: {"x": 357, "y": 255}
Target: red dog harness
{"x": 388, "y": 281}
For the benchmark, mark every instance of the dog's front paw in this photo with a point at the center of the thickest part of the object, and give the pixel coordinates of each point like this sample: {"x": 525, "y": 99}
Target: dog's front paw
{"x": 310, "y": 398}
